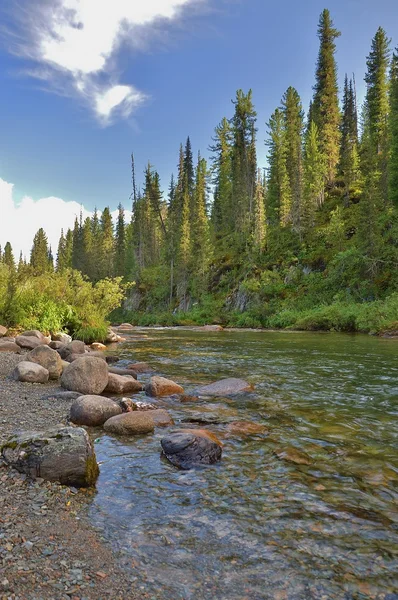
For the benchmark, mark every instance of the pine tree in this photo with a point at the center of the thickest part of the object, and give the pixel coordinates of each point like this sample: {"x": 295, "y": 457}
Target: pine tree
{"x": 222, "y": 215}
{"x": 68, "y": 249}
{"x": 120, "y": 244}
{"x": 259, "y": 224}
{"x": 279, "y": 203}
{"x": 349, "y": 157}
{"x": 189, "y": 173}
{"x": 87, "y": 258}
{"x": 243, "y": 166}
{"x": 8, "y": 257}
{"x": 106, "y": 248}
{"x": 77, "y": 253}
{"x": 393, "y": 131}
{"x": 294, "y": 126}
{"x": 61, "y": 253}
{"x": 50, "y": 260}
{"x": 325, "y": 109}
{"x": 314, "y": 175}
{"x": 39, "y": 254}
{"x": 376, "y": 112}
{"x": 199, "y": 236}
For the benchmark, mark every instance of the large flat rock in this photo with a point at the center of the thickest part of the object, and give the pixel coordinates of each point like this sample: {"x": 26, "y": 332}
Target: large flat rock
{"x": 224, "y": 387}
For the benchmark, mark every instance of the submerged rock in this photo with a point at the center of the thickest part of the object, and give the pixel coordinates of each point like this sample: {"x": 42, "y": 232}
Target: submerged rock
{"x": 30, "y": 372}
{"x": 131, "y": 423}
{"x": 161, "y": 417}
{"x": 119, "y": 384}
{"x": 189, "y": 448}
{"x": 119, "y": 371}
{"x": 160, "y": 386}
{"x": 243, "y": 428}
{"x": 93, "y": 411}
{"x": 140, "y": 367}
{"x": 224, "y": 387}
{"x": 47, "y": 358}
{"x": 293, "y": 455}
{"x": 86, "y": 375}
{"x": 63, "y": 454}
{"x": 213, "y": 328}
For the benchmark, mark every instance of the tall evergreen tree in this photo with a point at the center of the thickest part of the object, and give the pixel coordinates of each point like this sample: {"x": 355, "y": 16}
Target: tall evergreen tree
{"x": 294, "y": 127}
{"x": 199, "y": 236}
{"x": 259, "y": 223}
{"x": 349, "y": 156}
{"x": 87, "y": 258}
{"x": 39, "y": 254}
{"x": 106, "y": 248}
{"x": 325, "y": 109}
{"x": 314, "y": 175}
{"x": 120, "y": 244}
{"x": 77, "y": 252}
{"x": 279, "y": 203}
{"x": 8, "y": 256}
{"x": 222, "y": 214}
{"x": 393, "y": 131}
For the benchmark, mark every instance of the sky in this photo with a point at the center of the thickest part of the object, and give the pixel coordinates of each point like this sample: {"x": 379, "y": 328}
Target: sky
{"x": 84, "y": 83}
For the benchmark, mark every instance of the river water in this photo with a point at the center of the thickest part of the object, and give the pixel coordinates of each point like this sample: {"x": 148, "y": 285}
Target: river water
{"x": 306, "y": 509}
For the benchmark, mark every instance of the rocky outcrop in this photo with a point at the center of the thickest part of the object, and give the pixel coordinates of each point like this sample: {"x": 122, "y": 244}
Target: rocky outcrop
{"x": 119, "y": 384}
{"x": 131, "y": 423}
{"x": 87, "y": 375}
{"x": 160, "y": 386}
{"x": 3, "y": 331}
{"x": 93, "y": 411}
{"x": 28, "y": 342}
{"x": 9, "y": 346}
{"x": 47, "y": 358}
{"x": 63, "y": 454}
{"x": 30, "y": 372}
{"x": 224, "y": 387}
{"x": 189, "y": 448}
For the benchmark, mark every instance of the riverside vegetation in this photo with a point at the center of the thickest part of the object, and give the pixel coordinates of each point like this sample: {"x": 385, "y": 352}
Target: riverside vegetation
{"x": 312, "y": 243}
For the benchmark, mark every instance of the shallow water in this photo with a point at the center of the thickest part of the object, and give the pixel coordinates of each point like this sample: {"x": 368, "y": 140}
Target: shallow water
{"x": 257, "y": 526}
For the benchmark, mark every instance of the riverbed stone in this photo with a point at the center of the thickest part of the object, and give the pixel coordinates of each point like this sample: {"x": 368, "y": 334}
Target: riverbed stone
{"x": 73, "y": 348}
{"x": 244, "y": 428}
{"x": 160, "y": 386}
{"x": 111, "y": 337}
{"x": 189, "y": 448}
{"x": 9, "y": 346}
{"x": 29, "y": 342}
{"x": 56, "y": 345}
{"x": 30, "y": 372}
{"x": 213, "y": 328}
{"x": 45, "y": 339}
{"x": 224, "y": 387}
{"x": 126, "y": 326}
{"x": 93, "y": 411}
{"x": 47, "y": 358}
{"x": 293, "y": 455}
{"x": 97, "y": 346}
{"x": 87, "y": 375}
{"x": 131, "y": 423}
{"x": 60, "y": 453}
{"x": 3, "y": 331}
{"x": 62, "y": 337}
{"x": 119, "y": 371}
{"x": 120, "y": 384}
{"x": 161, "y": 417}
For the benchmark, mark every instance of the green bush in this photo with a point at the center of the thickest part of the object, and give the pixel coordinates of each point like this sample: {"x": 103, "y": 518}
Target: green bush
{"x": 91, "y": 334}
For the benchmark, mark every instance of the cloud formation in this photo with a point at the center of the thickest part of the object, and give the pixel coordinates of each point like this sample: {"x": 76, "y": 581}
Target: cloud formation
{"x": 24, "y": 219}
{"x": 75, "y": 43}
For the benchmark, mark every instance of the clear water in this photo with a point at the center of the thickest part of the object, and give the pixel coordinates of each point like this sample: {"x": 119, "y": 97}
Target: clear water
{"x": 256, "y": 526}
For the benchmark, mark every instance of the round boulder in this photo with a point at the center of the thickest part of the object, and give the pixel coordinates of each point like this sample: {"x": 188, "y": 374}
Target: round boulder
{"x": 161, "y": 417}
{"x": 131, "y": 423}
{"x": 87, "y": 375}
{"x": 8, "y": 346}
{"x": 189, "y": 448}
{"x": 75, "y": 347}
{"x": 38, "y": 335}
{"x": 64, "y": 338}
{"x": 28, "y": 341}
{"x": 119, "y": 384}
{"x": 93, "y": 411}
{"x": 63, "y": 454}
{"x": 97, "y": 346}
{"x": 160, "y": 386}
{"x": 47, "y": 358}
{"x": 30, "y": 372}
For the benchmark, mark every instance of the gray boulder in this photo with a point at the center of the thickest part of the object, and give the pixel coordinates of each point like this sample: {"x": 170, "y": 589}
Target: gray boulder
{"x": 160, "y": 386}
{"x": 224, "y": 387}
{"x": 63, "y": 454}
{"x": 119, "y": 384}
{"x": 93, "y": 411}
{"x": 30, "y": 372}
{"x": 38, "y": 335}
{"x": 64, "y": 338}
{"x": 189, "y": 448}
{"x": 87, "y": 375}
{"x": 3, "y": 331}
{"x": 141, "y": 367}
{"x": 75, "y": 347}
{"x": 127, "y": 372}
{"x": 56, "y": 345}
{"x": 47, "y": 358}
{"x": 111, "y": 337}
{"x": 9, "y": 346}
{"x": 28, "y": 342}
{"x": 161, "y": 417}
{"x": 131, "y": 423}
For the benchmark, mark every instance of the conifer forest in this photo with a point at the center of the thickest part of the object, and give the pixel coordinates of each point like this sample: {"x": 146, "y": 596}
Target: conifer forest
{"x": 309, "y": 242}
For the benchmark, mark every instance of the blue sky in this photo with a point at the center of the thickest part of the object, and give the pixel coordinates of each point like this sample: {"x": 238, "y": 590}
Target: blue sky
{"x": 173, "y": 76}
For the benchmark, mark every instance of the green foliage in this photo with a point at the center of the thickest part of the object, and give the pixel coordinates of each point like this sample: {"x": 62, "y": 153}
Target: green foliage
{"x": 91, "y": 334}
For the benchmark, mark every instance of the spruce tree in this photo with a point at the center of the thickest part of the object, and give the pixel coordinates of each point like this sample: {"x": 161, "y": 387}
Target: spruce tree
{"x": 61, "y": 253}
{"x": 376, "y": 113}
{"x": 39, "y": 254}
{"x": 222, "y": 214}
{"x": 325, "y": 109}
{"x": 8, "y": 257}
{"x": 199, "y": 237}
{"x": 393, "y": 132}
{"x": 294, "y": 126}
{"x": 314, "y": 175}
{"x": 349, "y": 156}
{"x": 87, "y": 258}
{"x": 77, "y": 252}
{"x": 120, "y": 244}
{"x": 279, "y": 205}
{"x": 259, "y": 223}
{"x": 106, "y": 248}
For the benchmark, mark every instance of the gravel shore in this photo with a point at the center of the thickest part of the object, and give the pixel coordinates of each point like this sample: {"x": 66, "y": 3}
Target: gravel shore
{"x": 48, "y": 549}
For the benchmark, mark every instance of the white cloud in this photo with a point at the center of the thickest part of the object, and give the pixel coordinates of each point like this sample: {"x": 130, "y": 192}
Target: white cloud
{"x": 78, "y": 40}
{"x": 20, "y": 222}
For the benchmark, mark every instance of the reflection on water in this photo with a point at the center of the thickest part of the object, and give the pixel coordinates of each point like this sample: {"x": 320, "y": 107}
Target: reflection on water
{"x": 263, "y": 523}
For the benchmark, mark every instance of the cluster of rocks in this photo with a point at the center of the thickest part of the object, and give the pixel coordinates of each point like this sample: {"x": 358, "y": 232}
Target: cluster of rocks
{"x": 65, "y": 453}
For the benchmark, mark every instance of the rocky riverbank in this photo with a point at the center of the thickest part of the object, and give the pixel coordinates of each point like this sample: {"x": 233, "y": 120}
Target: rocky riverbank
{"x": 47, "y": 547}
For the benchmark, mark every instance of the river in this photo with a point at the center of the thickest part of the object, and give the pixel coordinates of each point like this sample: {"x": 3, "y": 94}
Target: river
{"x": 306, "y": 509}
